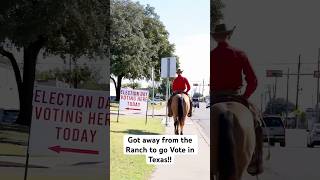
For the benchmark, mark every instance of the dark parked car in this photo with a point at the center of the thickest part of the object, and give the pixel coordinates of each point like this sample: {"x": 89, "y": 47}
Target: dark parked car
{"x": 195, "y": 102}
{"x": 9, "y": 116}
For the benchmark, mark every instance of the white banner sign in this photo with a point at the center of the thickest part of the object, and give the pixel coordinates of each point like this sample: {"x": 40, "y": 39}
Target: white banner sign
{"x": 70, "y": 122}
{"x": 136, "y": 100}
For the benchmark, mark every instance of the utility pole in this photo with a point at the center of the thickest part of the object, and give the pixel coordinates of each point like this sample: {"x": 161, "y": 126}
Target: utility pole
{"x": 203, "y": 88}
{"x": 298, "y": 89}
{"x": 261, "y": 102}
{"x": 275, "y": 88}
{"x": 270, "y": 99}
{"x": 317, "y": 106}
{"x": 287, "y": 96}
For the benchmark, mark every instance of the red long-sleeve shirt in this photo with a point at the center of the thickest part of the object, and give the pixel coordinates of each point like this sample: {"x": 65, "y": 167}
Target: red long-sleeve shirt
{"x": 180, "y": 83}
{"x": 227, "y": 65}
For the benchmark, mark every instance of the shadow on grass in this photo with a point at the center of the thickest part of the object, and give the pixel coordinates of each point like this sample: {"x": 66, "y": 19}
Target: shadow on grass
{"x": 19, "y": 165}
{"x": 87, "y": 163}
{"x": 136, "y": 131}
{"x": 14, "y": 127}
{"x": 14, "y": 142}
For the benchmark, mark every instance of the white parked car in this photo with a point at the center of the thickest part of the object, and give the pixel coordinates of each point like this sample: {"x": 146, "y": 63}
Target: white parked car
{"x": 313, "y": 137}
{"x": 156, "y": 101}
{"x": 274, "y": 130}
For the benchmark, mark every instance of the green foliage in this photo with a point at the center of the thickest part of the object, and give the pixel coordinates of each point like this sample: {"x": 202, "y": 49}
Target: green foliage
{"x": 76, "y": 27}
{"x": 278, "y": 106}
{"x": 197, "y": 95}
{"x": 83, "y": 77}
{"x": 138, "y": 40}
{"x": 133, "y": 85}
{"x": 215, "y": 12}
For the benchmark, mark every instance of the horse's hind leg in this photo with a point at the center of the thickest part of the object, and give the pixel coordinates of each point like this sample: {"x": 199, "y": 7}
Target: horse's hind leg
{"x": 176, "y": 125}
{"x": 181, "y": 126}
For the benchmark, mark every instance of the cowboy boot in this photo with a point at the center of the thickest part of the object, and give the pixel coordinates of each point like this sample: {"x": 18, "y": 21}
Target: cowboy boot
{"x": 190, "y": 110}
{"x": 170, "y": 113}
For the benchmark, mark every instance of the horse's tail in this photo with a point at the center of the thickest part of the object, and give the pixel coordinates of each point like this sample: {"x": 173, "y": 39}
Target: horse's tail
{"x": 180, "y": 107}
{"x": 226, "y": 158}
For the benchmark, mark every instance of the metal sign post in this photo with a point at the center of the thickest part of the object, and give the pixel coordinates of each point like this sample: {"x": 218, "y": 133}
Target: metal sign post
{"x": 167, "y": 99}
{"x": 152, "y": 74}
{"x": 146, "y": 114}
{"x": 118, "y": 112}
{"x": 168, "y": 69}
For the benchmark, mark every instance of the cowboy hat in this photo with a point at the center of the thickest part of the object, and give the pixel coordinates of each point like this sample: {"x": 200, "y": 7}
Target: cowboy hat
{"x": 222, "y": 29}
{"x": 179, "y": 71}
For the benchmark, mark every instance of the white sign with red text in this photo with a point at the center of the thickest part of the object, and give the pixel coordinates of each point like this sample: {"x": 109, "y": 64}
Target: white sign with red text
{"x": 135, "y": 100}
{"x": 69, "y": 122}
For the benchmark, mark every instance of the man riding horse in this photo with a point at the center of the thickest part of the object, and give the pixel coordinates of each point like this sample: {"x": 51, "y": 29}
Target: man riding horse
{"x": 179, "y": 85}
{"x": 228, "y": 65}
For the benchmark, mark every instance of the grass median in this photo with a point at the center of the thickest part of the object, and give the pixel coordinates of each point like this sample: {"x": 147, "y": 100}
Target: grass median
{"x": 124, "y": 167}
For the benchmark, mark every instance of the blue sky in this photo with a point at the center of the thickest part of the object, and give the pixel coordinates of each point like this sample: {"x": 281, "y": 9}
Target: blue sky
{"x": 182, "y": 17}
{"x": 188, "y": 23}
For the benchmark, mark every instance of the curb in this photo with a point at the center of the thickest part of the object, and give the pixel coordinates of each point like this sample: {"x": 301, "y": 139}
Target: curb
{"x": 200, "y": 129}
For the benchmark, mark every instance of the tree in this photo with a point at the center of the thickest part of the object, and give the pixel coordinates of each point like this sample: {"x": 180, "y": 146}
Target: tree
{"x": 197, "y": 95}
{"x": 138, "y": 41}
{"x": 279, "y": 106}
{"x": 133, "y": 85}
{"x": 78, "y": 76}
{"x": 75, "y": 27}
{"x": 215, "y": 12}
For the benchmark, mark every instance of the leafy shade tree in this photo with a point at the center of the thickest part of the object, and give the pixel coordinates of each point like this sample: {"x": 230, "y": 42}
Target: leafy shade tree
{"x": 75, "y": 27}
{"x": 133, "y": 85}
{"x": 77, "y": 77}
{"x": 279, "y": 106}
{"x": 197, "y": 95}
{"x": 215, "y": 12}
{"x": 138, "y": 41}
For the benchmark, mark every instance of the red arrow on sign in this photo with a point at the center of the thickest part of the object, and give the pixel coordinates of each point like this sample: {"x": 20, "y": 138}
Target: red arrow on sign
{"x": 59, "y": 149}
{"x": 133, "y": 109}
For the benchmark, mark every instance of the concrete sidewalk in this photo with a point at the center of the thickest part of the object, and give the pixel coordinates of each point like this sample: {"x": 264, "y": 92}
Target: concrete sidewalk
{"x": 187, "y": 167}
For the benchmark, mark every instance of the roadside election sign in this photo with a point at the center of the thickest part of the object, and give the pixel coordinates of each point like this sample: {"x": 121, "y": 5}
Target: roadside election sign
{"x": 70, "y": 122}
{"x": 136, "y": 100}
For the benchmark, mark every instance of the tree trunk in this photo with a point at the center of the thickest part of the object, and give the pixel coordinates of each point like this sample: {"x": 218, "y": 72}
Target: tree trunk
{"x": 114, "y": 82}
{"x": 29, "y": 68}
{"x": 16, "y": 71}
{"x": 118, "y": 87}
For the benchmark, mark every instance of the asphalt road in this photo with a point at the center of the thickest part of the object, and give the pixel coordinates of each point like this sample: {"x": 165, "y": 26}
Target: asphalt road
{"x": 202, "y": 117}
{"x": 293, "y": 162}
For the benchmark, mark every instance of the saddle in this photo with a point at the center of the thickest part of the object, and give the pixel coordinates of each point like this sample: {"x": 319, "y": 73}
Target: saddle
{"x": 230, "y": 98}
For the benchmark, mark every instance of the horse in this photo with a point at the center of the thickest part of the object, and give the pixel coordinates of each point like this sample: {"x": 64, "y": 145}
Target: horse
{"x": 232, "y": 140}
{"x": 180, "y": 106}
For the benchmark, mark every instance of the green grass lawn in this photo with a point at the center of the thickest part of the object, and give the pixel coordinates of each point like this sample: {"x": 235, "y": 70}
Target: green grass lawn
{"x": 133, "y": 167}
{"x": 13, "y": 143}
